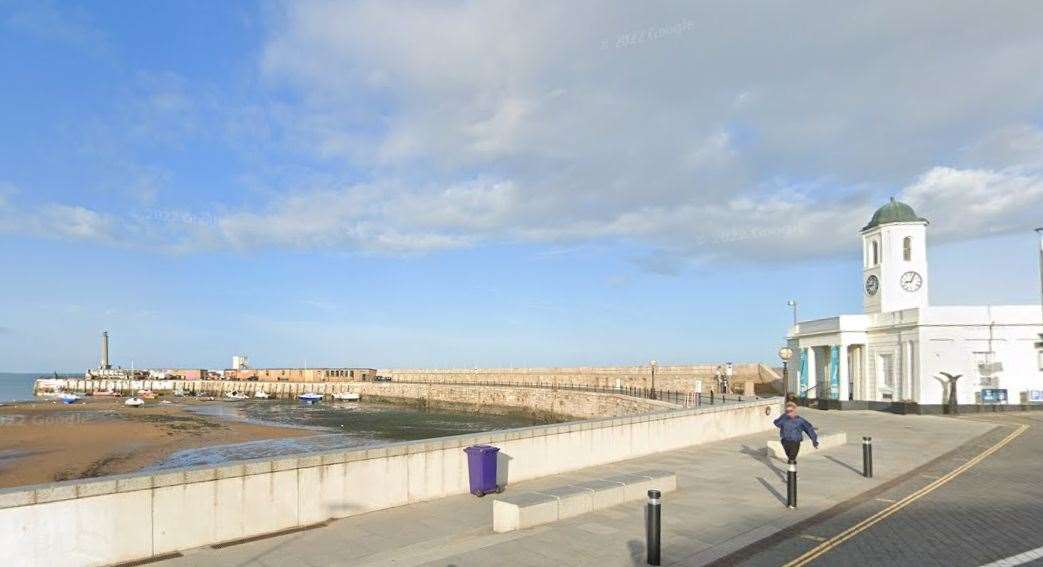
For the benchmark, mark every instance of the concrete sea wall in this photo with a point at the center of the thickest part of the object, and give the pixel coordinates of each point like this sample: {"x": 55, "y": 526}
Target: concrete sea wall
{"x": 681, "y": 378}
{"x": 137, "y": 516}
{"x": 539, "y": 402}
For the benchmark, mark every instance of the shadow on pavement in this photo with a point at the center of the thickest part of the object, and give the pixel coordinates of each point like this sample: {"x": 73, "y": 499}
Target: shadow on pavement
{"x": 845, "y": 465}
{"x": 637, "y": 552}
{"x": 778, "y": 495}
{"x": 760, "y": 455}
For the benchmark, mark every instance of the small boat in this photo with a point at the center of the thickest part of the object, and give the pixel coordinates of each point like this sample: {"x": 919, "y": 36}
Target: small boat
{"x": 310, "y": 397}
{"x": 260, "y": 395}
{"x": 146, "y": 394}
{"x": 134, "y": 402}
{"x": 68, "y": 398}
{"x": 346, "y": 396}
{"x": 236, "y": 395}
{"x": 108, "y": 393}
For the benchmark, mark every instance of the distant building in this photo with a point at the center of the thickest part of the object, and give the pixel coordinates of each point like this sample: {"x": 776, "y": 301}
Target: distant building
{"x": 117, "y": 373}
{"x": 187, "y": 374}
{"x": 301, "y": 374}
{"x": 900, "y": 348}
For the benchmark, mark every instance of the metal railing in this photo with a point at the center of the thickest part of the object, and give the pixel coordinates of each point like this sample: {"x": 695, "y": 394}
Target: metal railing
{"x": 676, "y": 397}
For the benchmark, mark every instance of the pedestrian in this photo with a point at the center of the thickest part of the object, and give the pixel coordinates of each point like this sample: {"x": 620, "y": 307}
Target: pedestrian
{"x": 792, "y": 428}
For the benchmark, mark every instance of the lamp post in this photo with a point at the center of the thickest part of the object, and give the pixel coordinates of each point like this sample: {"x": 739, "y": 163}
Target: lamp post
{"x": 653, "y": 365}
{"x": 793, "y": 303}
{"x": 1039, "y": 345}
{"x": 785, "y": 353}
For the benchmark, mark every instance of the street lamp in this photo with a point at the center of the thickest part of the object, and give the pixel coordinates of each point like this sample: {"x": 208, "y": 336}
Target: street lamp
{"x": 653, "y": 365}
{"x": 1039, "y": 345}
{"x": 785, "y": 353}
{"x": 793, "y": 303}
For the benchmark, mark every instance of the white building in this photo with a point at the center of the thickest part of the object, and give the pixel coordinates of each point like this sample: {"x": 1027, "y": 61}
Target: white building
{"x": 899, "y": 347}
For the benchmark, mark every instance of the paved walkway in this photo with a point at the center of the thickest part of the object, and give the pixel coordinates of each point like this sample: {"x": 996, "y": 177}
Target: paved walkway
{"x": 981, "y": 505}
{"x": 729, "y": 496}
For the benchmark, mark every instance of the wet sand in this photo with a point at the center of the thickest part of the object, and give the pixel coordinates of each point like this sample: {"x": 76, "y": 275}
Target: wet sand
{"x": 44, "y": 442}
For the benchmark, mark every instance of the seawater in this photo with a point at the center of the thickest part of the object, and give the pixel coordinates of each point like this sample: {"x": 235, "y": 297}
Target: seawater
{"x": 16, "y": 386}
{"x": 338, "y": 425}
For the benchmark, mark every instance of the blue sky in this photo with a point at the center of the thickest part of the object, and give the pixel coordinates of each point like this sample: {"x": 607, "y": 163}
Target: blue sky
{"x": 457, "y": 184}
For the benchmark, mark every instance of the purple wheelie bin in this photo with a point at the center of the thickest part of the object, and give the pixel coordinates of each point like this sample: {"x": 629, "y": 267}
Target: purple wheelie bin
{"x": 481, "y": 468}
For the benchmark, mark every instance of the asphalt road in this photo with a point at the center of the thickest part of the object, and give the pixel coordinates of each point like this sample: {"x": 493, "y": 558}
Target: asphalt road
{"x": 980, "y": 504}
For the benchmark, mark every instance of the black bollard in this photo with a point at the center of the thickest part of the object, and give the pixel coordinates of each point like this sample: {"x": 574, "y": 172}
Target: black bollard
{"x": 791, "y": 485}
{"x": 867, "y": 457}
{"x": 652, "y": 517}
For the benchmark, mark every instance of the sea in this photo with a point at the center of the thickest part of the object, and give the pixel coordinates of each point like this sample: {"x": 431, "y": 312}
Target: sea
{"x": 17, "y": 386}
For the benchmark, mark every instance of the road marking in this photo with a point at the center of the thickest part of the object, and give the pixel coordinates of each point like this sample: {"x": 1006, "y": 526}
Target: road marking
{"x": 870, "y": 521}
{"x": 888, "y": 500}
{"x": 1019, "y": 559}
{"x": 812, "y": 537}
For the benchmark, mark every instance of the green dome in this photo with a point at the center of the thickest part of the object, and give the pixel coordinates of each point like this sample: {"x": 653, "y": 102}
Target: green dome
{"x": 893, "y": 211}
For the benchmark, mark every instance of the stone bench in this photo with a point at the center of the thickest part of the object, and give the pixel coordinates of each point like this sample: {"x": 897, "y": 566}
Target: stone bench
{"x": 528, "y": 509}
{"x": 774, "y": 448}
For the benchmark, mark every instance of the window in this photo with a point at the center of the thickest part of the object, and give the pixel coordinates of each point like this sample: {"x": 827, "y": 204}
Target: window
{"x": 907, "y": 248}
{"x": 885, "y": 368}
{"x": 876, "y": 253}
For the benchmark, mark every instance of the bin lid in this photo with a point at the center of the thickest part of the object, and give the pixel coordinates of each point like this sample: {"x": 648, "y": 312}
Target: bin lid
{"x": 481, "y": 449}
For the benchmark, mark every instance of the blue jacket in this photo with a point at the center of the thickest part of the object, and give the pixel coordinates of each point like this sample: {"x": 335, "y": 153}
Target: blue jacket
{"x": 793, "y": 429}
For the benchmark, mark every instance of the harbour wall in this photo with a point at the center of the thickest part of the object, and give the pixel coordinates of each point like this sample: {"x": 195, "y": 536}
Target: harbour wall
{"x": 134, "y": 517}
{"x": 681, "y": 378}
{"x": 539, "y": 402}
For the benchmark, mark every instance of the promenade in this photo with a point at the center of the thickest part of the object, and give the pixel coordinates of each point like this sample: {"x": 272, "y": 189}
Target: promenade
{"x": 729, "y": 496}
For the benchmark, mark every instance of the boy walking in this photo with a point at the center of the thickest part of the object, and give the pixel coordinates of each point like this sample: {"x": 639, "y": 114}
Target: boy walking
{"x": 792, "y": 428}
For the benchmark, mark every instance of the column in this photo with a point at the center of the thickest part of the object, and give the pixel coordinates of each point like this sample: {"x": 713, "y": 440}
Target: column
{"x": 845, "y": 391}
{"x": 812, "y": 373}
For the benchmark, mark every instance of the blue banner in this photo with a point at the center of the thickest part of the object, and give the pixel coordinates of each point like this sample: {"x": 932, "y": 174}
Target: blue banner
{"x": 802, "y": 386}
{"x": 834, "y": 373}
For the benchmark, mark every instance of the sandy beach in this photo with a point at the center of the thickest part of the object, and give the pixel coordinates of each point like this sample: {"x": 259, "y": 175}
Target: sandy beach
{"x": 45, "y": 442}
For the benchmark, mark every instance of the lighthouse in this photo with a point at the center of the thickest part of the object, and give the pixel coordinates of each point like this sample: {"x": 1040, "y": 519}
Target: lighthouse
{"x": 105, "y": 351}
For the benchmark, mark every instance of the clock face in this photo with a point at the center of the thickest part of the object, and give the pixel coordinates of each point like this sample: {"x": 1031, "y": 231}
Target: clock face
{"x": 872, "y": 285}
{"x": 911, "y": 281}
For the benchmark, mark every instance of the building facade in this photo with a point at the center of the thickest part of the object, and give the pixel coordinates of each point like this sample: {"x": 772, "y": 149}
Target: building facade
{"x": 902, "y": 348}
{"x": 301, "y": 374}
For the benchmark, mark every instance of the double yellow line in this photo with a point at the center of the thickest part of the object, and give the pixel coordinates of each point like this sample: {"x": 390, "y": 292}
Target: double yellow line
{"x": 851, "y": 532}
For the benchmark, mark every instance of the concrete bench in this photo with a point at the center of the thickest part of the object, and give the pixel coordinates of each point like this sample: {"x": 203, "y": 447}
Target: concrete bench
{"x": 828, "y": 441}
{"x": 528, "y": 509}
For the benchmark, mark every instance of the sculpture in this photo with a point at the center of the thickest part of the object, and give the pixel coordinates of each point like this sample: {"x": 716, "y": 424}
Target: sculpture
{"x": 953, "y": 406}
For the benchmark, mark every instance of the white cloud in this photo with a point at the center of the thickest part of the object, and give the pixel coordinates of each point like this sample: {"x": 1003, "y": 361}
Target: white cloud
{"x": 972, "y": 202}
{"x": 696, "y": 131}
{"x": 733, "y": 134}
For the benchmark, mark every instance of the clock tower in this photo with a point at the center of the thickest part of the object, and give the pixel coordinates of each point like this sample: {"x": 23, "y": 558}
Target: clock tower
{"x": 894, "y": 260}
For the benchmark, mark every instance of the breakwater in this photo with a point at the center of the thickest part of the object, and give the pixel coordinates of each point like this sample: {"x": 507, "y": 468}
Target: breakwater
{"x": 681, "y": 378}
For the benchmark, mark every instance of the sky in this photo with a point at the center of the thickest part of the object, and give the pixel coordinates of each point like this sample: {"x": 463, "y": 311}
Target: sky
{"x": 457, "y": 184}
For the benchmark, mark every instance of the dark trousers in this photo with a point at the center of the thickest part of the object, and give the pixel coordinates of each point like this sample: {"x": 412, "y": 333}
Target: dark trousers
{"x": 792, "y": 448}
